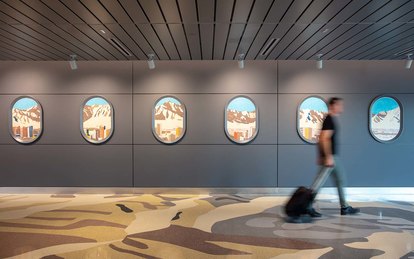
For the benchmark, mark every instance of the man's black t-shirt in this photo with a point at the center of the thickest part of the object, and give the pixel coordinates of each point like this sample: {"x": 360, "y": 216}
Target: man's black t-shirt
{"x": 330, "y": 124}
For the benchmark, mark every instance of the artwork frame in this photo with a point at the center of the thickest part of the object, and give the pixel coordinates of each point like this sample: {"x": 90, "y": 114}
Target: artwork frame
{"x": 257, "y": 120}
{"x": 153, "y": 126}
{"x": 298, "y": 117}
{"x": 401, "y": 122}
{"x": 11, "y": 120}
{"x": 89, "y": 140}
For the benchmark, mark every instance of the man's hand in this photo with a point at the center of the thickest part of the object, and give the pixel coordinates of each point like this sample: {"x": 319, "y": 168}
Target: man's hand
{"x": 329, "y": 161}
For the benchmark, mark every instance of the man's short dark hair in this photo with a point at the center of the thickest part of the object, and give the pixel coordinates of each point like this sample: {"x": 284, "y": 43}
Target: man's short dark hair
{"x": 334, "y": 100}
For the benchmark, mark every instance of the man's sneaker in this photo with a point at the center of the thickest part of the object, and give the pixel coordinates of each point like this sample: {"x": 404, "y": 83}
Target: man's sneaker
{"x": 349, "y": 211}
{"x": 313, "y": 213}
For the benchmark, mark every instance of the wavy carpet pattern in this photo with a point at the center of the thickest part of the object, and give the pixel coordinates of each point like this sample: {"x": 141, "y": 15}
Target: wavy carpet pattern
{"x": 197, "y": 226}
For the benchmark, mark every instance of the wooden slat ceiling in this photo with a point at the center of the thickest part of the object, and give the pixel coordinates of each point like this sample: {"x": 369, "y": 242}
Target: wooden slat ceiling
{"x": 206, "y": 29}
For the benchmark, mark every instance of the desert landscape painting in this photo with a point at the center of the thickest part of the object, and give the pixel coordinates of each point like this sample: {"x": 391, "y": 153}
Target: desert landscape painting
{"x": 312, "y": 112}
{"x": 26, "y": 120}
{"x": 385, "y": 116}
{"x": 97, "y": 119}
{"x": 241, "y": 120}
{"x": 169, "y": 120}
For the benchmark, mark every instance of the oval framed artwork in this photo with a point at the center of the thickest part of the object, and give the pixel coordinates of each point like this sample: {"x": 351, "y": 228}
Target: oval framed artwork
{"x": 385, "y": 119}
{"x": 311, "y": 113}
{"x": 97, "y": 120}
{"x": 26, "y": 120}
{"x": 169, "y": 117}
{"x": 241, "y": 119}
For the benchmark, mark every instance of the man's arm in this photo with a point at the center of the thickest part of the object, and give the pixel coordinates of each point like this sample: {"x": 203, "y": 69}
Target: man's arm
{"x": 326, "y": 147}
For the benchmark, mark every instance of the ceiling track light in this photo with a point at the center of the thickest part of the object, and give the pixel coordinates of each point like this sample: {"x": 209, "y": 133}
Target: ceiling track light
{"x": 72, "y": 62}
{"x": 150, "y": 61}
{"x": 409, "y": 61}
{"x": 319, "y": 61}
{"x": 240, "y": 61}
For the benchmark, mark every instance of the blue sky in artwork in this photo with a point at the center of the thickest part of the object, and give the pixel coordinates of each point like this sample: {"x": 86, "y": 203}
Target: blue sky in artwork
{"x": 241, "y": 104}
{"x": 25, "y": 103}
{"x": 96, "y": 100}
{"x": 384, "y": 104}
{"x": 314, "y": 103}
{"x": 167, "y": 99}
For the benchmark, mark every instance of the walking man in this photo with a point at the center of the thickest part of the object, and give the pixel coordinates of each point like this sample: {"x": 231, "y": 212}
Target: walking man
{"x": 329, "y": 159}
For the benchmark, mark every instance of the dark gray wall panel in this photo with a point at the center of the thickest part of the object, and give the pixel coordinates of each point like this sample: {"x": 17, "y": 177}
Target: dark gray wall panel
{"x": 205, "y": 118}
{"x": 66, "y": 165}
{"x": 376, "y": 165}
{"x": 57, "y": 77}
{"x": 206, "y": 77}
{"x": 61, "y": 119}
{"x": 205, "y": 166}
{"x": 345, "y": 77}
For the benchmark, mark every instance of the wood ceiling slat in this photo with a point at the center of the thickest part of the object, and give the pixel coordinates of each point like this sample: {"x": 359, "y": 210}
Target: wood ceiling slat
{"x": 387, "y": 32}
{"x": 127, "y": 24}
{"x": 98, "y": 11}
{"x": 54, "y": 17}
{"x": 324, "y": 17}
{"x": 205, "y": 11}
{"x": 81, "y": 25}
{"x": 180, "y": 40}
{"x": 17, "y": 51}
{"x": 193, "y": 38}
{"x": 236, "y": 31}
{"x": 14, "y": 56}
{"x": 172, "y": 16}
{"x": 167, "y": 40}
{"x": 127, "y": 41}
{"x": 14, "y": 30}
{"x": 25, "y": 49}
{"x": 4, "y": 56}
{"x": 242, "y": 10}
{"x": 40, "y": 19}
{"x": 47, "y": 42}
{"x": 18, "y": 41}
{"x": 148, "y": 31}
{"x": 389, "y": 51}
{"x": 41, "y": 30}
{"x": 308, "y": 16}
{"x": 289, "y": 17}
{"x": 381, "y": 27}
{"x": 79, "y": 9}
{"x": 155, "y": 16}
{"x": 352, "y": 8}
{"x": 379, "y": 45}
{"x": 220, "y": 38}
{"x": 188, "y": 12}
{"x": 258, "y": 15}
{"x": 223, "y": 16}
{"x": 138, "y": 16}
{"x": 170, "y": 10}
{"x": 207, "y": 35}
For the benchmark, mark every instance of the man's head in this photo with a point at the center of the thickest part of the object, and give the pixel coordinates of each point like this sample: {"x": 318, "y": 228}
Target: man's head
{"x": 336, "y": 105}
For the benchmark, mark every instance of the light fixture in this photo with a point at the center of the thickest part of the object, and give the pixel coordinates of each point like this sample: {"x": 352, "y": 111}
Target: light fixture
{"x": 409, "y": 61}
{"x": 319, "y": 61}
{"x": 269, "y": 46}
{"x": 240, "y": 61}
{"x": 151, "y": 62}
{"x": 72, "y": 62}
{"x": 102, "y": 31}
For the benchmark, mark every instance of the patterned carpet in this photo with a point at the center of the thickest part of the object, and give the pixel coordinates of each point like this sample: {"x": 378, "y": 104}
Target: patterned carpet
{"x": 197, "y": 226}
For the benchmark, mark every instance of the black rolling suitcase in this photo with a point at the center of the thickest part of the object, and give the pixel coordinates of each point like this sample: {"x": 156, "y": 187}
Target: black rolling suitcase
{"x": 299, "y": 203}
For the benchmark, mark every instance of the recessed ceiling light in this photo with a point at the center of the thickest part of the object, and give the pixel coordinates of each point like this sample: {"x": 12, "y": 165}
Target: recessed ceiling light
{"x": 325, "y": 31}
